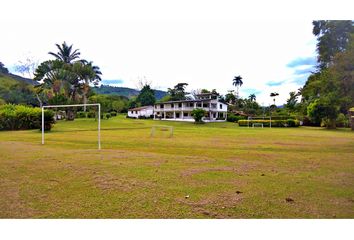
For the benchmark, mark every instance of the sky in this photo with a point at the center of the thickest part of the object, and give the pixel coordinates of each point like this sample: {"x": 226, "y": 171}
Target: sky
{"x": 167, "y": 42}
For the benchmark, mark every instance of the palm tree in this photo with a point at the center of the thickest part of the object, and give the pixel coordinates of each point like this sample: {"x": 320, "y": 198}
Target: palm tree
{"x": 89, "y": 74}
{"x": 252, "y": 97}
{"x": 274, "y": 95}
{"x": 65, "y": 53}
{"x": 237, "y": 82}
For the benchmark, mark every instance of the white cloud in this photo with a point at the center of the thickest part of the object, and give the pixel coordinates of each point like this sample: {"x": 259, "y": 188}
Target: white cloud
{"x": 205, "y": 49}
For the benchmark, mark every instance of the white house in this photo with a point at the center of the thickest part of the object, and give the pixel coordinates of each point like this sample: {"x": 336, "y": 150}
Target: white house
{"x": 145, "y": 111}
{"x": 181, "y": 110}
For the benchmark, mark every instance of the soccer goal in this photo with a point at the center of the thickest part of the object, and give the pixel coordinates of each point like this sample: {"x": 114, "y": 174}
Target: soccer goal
{"x": 158, "y": 130}
{"x": 76, "y": 105}
{"x": 252, "y": 122}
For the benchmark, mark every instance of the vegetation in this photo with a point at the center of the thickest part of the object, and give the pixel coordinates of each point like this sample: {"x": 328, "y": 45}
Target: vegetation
{"x": 329, "y": 91}
{"x": 198, "y": 115}
{"x": 267, "y": 123}
{"x": 123, "y": 91}
{"x": 226, "y": 171}
{"x": 177, "y": 92}
{"x": 237, "y": 82}
{"x": 18, "y": 117}
{"x": 146, "y": 96}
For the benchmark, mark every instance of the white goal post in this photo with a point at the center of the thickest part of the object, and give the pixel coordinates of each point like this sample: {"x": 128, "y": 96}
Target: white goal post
{"x": 76, "y": 105}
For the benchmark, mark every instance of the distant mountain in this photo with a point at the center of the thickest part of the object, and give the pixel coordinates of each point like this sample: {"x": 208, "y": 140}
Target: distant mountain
{"x": 123, "y": 91}
{"x": 17, "y": 90}
{"x": 23, "y": 79}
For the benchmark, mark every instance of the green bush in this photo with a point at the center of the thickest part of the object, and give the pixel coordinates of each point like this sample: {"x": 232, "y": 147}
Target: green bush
{"x": 234, "y": 118}
{"x": 19, "y": 117}
{"x": 113, "y": 114}
{"x": 81, "y": 114}
{"x": 198, "y": 115}
{"x": 108, "y": 115}
{"x": 342, "y": 121}
{"x": 266, "y": 123}
{"x": 91, "y": 114}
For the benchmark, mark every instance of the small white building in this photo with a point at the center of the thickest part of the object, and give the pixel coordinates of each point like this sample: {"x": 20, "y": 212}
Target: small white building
{"x": 145, "y": 111}
{"x": 216, "y": 111}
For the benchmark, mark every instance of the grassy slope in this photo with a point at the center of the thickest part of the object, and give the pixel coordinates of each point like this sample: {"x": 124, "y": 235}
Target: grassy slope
{"x": 136, "y": 176}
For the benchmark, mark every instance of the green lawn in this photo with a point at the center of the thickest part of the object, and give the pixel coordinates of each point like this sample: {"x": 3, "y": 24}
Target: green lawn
{"x": 227, "y": 172}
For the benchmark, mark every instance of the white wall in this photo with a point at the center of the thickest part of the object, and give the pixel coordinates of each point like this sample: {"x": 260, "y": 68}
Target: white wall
{"x": 146, "y": 112}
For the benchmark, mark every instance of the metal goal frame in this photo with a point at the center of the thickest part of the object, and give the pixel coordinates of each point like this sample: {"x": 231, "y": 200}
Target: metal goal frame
{"x": 75, "y": 105}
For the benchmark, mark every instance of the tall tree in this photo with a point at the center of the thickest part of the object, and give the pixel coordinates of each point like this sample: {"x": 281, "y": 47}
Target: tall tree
{"x": 237, "y": 82}
{"x": 252, "y": 97}
{"x": 274, "y": 95}
{"x": 333, "y": 37}
{"x": 178, "y": 92}
{"x": 291, "y": 102}
{"x": 65, "y": 53}
{"x": 146, "y": 96}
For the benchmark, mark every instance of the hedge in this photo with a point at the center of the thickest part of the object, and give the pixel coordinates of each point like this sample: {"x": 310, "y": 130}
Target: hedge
{"x": 234, "y": 118}
{"x": 266, "y": 123}
{"x": 19, "y": 117}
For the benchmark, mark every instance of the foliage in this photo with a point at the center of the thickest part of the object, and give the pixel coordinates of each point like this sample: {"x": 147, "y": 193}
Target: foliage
{"x": 16, "y": 92}
{"x": 3, "y": 69}
{"x": 177, "y": 92}
{"x": 123, "y": 91}
{"x": 330, "y": 91}
{"x": 266, "y": 123}
{"x": 237, "y": 82}
{"x": 342, "y": 120}
{"x": 19, "y": 117}
{"x": 81, "y": 114}
{"x": 146, "y": 96}
{"x": 333, "y": 37}
{"x": 198, "y": 115}
{"x": 234, "y": 118}
{"x": 110, "y": 102}
{"x": 113, "y": 114}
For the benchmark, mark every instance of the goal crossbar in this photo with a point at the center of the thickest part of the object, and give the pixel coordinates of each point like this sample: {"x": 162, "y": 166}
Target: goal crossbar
{"x": 76, "y": 105}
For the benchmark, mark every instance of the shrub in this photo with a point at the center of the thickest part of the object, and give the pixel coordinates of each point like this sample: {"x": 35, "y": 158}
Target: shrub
{"x": 342, "y": 121}
{"x": 198, "y": 115}
{"x": 113, "y": 114}
{"x": 234, "y": 118}
{"x": 81, "y": 114}
{"x": 108, "y": 115}
{"x": 91, "y": 114}
{"x": 266, "y": 123}
{"x": 18, "y": 117}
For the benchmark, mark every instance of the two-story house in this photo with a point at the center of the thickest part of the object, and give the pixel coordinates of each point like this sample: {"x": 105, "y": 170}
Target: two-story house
{"x": 181, "y": 110}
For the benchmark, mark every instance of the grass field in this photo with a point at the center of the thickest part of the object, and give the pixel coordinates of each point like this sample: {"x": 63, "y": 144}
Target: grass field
{"x": 215, "y": 170}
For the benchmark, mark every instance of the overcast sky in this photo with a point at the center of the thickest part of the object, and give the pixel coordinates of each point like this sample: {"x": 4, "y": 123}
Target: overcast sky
{"x": 197, "y": 42}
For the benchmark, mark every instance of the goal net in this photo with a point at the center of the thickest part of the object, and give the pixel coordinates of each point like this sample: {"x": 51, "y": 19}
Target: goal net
{"x": 161, "y": 131}
{"x": 71, "y": 106}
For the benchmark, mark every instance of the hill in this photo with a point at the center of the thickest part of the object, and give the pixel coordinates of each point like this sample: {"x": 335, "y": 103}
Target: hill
{"x": 16, "y": 89}
{"x": 124, "y": 91}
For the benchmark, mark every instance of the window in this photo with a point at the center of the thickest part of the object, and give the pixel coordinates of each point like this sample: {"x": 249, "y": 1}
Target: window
{"x": 191, "y": 104}
{"x": 213, "y": 105}
{"x": 199, "y": 105}
{"x": 220, "y": 106}
{"x": 179, "y": 105}
{"x": 161, "y": 106}
{"x": 136, "y": 112}
{"x": 172, "y": 105}
{"x": 177, "y": 115}
{"x": 205, "y": 105}
{"x": 185, "y": 114}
